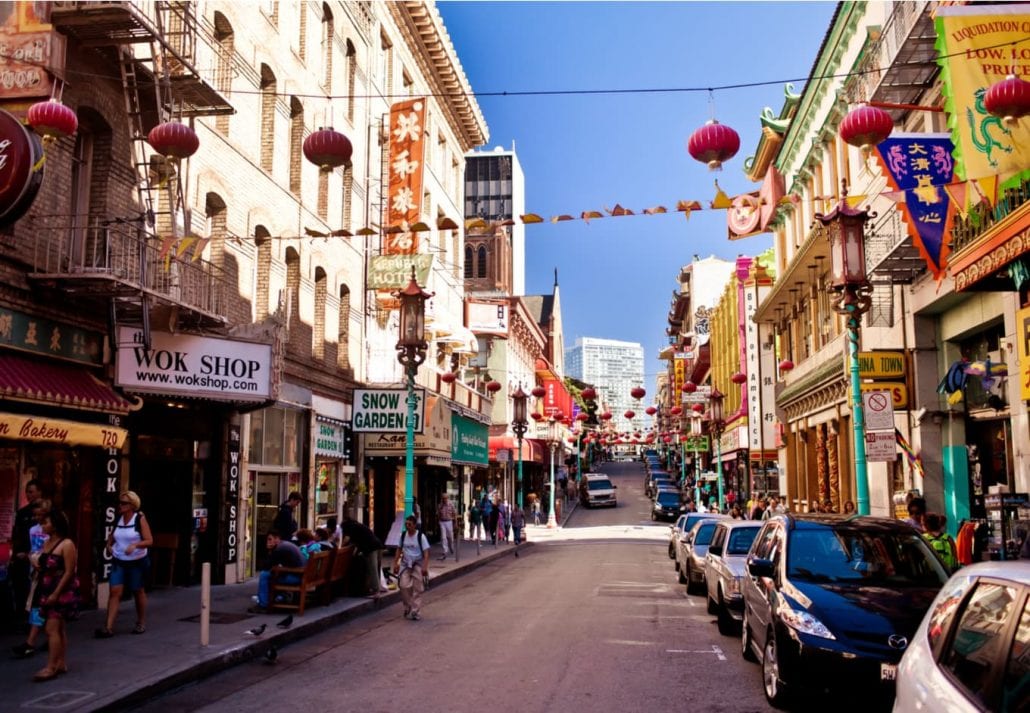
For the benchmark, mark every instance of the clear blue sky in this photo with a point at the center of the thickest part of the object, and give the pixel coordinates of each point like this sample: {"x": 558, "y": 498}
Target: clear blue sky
{"x": 578, "y": 153}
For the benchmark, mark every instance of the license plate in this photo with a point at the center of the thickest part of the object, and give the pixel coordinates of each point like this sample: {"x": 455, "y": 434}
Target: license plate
{"x": 888, "y": 672}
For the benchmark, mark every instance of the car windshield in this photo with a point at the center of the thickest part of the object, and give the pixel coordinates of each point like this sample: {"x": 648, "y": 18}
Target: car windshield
{"x": 599, "y": 485}
{"x": 863, "y": 557}
{"x": 704, "y": 534}
{"x": 740, "y": 540}
{"x": 668, "y": 497}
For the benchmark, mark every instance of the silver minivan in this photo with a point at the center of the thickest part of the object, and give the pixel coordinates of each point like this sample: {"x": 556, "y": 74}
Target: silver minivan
{"x": 599, "y": 490}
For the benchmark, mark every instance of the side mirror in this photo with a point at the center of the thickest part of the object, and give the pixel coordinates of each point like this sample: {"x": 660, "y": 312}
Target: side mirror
{"x": 760, "y": 568}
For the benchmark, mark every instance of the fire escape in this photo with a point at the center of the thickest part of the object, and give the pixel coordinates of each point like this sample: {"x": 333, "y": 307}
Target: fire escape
{"x": 128, "y": 261}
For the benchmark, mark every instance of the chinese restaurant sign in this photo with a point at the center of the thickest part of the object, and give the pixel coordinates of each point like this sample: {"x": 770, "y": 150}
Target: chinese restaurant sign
{"x": 919, "y": 164}
{"x": 407, "y": 139}
{"x": 469, "y": 441}
{"x": 977, "y": 46}
{"x": 43, "y": 336}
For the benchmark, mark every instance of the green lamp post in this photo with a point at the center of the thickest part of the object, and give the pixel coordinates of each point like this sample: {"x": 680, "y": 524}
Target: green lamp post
{"x": 411, "y": 352}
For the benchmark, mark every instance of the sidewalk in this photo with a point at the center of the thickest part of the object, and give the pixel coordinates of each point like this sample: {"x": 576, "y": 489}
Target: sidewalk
{"x": 169, "y": 655}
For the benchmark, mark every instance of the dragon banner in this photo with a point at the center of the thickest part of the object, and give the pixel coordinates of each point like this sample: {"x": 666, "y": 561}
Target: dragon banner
{"x": 917, "y": 164}
{"x": 979, "y": 45}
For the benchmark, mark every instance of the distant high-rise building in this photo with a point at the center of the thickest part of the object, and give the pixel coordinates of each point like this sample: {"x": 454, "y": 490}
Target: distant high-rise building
{"x": 613, "y": 368}
{"x": 495, "y": 191}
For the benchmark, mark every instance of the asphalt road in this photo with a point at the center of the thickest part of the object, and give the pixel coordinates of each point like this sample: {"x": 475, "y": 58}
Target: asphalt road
{"x": 589, "y": 619}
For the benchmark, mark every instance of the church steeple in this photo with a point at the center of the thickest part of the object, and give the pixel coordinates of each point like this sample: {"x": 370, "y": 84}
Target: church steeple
{"x": 555, "y": 277}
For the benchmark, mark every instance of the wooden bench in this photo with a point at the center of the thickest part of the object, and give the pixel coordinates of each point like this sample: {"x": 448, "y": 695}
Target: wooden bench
{"x": 342, "y": 559}
{"x": 314, "y": 577}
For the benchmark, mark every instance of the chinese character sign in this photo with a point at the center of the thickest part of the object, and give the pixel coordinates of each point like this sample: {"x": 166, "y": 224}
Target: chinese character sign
{"x": 407, "y": 139}
{"x": 919, "y": 164}
{"x": 979, "y": 45}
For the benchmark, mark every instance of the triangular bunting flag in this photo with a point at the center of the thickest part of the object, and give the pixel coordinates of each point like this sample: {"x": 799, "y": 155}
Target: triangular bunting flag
{"x": 988, "y": 188}
{"x": 721, "y": 200}
{"x": 184, "y": 245}
{"x": 855, "y": 201}
{"x": 587, "y": 215}
{"x": 560, "y": 218}
{"x": 166, "y": 246}
{"x": 531, "y": 218}
{"x": 688, "y": 205}
{"x": 618, "y": 210}
{"x": 653, "y": 211}
{"x": 199, "y": 250}
{"x": 959, "y": 194}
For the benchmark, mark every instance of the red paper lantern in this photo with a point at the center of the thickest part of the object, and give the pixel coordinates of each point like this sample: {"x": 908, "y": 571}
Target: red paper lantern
{"x": 52, "y": 119}
{"x": 588, "y": 394}
{"x": 582, "y": 416}
{"x": 786, "y": 365}
{"x": 650, "y": 410}
{"x": 572, "y": 439}
{"x": 493, "y": 386}
{"x": 629, "y": 415}
{"x": 605, "y": 416}
{"x": 637, "y": 392}
{"x": 675, "y": 410}
{"x": 738, "y": 378}
{"x": 866, "y": 126}
{"x": 713, "y": 143}
{"x": 539, "y": 391}
{"x": 173, "y": 140}
{"x": 689, "y": 387}
{"x": 1008, "y": 99}
{"x": 327, "y": 149}
{"x": 667, "y": 439}
{"x": 448, "y": 377}
{"x": 537, "y": 416}
{"x": 698, "y": 408}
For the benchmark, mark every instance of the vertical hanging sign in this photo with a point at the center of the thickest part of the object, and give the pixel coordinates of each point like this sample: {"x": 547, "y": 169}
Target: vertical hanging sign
{"x": 107, "y": 499}
{"x": 232, "y": 495}
{"x": 407, "y": 141}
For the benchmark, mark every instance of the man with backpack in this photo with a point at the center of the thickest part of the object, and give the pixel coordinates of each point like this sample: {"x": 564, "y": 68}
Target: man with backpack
{"x": 412, "y": 566}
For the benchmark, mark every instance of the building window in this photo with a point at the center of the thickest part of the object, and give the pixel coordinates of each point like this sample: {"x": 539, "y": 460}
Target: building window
{"x": 297, "y": 344}
{"x": 226, "y": 40}
{"x": 302, "y": 38}
{"x": 386, "y": 66}
{"x": 318, "y": 338}
{"x": 352, "y": 72}
{"x": 343, "y": 355}
{"x": 481, "y": 262}
{"x": 267, "y": 137}
{"x": 348, "y": 196}
{"x": 323, "y": 194}
{"x": 263, "y": 242}
{"x": 296, "y": 144}
{"x": 468, "y": 261}
{"x": 327, "y": 48}
{"x": 215, "y": 211}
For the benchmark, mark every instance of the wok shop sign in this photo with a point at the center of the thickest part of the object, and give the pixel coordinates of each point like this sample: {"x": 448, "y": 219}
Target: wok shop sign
{"x": 208, "y": 367}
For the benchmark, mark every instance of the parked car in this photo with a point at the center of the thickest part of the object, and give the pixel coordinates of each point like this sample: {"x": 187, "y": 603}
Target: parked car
{"x": 972, "y": 651}
{"x": 666, "y": 505}
{"x": 663, "y": 484}
{"x": 695, "y": 547}
{"x": 725, "y": 567}
{"x": 653, "y": 479}
{"x": 598, "y": 490}
{"x": 831, "y": 602}
{"x": 692, "y": 519}
{"x": 675, "y": 531}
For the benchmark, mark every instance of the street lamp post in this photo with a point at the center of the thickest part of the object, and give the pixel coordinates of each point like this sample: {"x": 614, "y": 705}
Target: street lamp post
{"x": 845, "y": 229}
{"x": 411, "y": 352}
{"x": 717, "y": 425}
{"x": 519, "y": 424}
{"x": 696, "y": 431}
{"x": 552, "y": 440}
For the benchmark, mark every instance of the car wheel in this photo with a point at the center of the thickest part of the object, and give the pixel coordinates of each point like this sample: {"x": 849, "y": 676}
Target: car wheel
{"x": 727, "y": 627}
{"x": 712, "y": 609}
{"x": 653, "y": 518}
{"x": 689, "y": 576}
{"x": 772, "y": 683}
{"x": 746, "y": 642}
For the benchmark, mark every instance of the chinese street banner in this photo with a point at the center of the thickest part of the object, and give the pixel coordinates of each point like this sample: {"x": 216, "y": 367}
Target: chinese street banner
{"x": 407, "y": 141}
{"x": 977, "y": 46}
{"x": 919, "y": 164}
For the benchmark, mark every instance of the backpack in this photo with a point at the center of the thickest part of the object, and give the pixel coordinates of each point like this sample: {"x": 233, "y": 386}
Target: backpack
{"x": 418, "y": 536}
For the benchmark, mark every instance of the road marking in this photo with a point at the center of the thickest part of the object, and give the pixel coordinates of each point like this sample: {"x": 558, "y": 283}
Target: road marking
{"x": 714, "y": 650}
{"x": 629, "y": 642}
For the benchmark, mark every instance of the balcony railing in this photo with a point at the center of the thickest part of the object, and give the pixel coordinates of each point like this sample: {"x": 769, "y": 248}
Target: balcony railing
{"x": 966, "y": 231}
{"x": 899, "y": 58}
{"x": 86, "y": 254}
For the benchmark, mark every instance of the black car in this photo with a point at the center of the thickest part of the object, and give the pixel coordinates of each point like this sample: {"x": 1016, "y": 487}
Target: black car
{"x": 831, "y": 602}
{"x": 666, "y": 505}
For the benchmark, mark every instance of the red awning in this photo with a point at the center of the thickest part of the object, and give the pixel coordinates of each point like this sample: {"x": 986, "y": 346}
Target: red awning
{"x": 531, "y": 451}
{"x": 57, "y": 384}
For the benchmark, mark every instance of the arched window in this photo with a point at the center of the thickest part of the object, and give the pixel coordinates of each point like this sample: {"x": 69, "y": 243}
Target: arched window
{"x": 327, "y": 48}
{"x": 297, "y": 343}
{"x": 214, "y": 209}
{"x": 267, "y": 138}
{"x": 296, "y": 144}
{"x": 343, "y": 355}
{"x": 318, "y": 338}
{"x": 481, "y": 262}
{"x": 352, "y": 71}
{"x": 226, "y": 39}
{"x": 263, "y": 242}
{"x": 468, "y": 261}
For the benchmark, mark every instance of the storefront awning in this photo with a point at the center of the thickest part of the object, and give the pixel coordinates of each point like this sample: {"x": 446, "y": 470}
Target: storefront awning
{"x": 57, "y": 384}
{"x": 61, "y": 432}
{"x": 532, "y": 452}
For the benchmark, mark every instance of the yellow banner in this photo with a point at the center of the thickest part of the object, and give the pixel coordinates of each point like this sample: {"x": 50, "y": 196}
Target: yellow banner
{"x": 1023, "y": 342}
{"x": 68, "y": 433}
{"x": 980, "y": 45}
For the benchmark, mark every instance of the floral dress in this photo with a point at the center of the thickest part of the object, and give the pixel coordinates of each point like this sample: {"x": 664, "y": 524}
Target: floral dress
{"x": 51, "y": 571}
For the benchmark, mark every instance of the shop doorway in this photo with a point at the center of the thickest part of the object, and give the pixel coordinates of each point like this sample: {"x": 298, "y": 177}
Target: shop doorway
{"x": 268, "y": 490}
{"x": 990, "y": 459}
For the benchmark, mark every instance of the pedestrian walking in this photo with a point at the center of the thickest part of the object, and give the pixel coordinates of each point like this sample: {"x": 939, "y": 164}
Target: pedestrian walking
{"x": 20, "y": 572}
{"x": 476, "y": 522}
{"x": 518, "y": 522}
{"x": 57, "y": 591}
{"x": 536, "y": 512}
{"x": 492, "y": 514}
{"x": 916, "y": 513}
{"x": 37, "y": 540}
{"x": 369, "y": 547}
{"x": 127, "y": 545}
{"x": 941, "y": 542}
{"x": 412, "y": 567}
{"x": 446, "y": 514}
{"x": 503, "y": 520}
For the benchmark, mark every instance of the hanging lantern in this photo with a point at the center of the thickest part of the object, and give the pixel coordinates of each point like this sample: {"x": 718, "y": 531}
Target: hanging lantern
{"x": 676, "y": 410}
{"x": 606, "y": 416}
{"x": 581, "y": 416}
{"x": 786, "y": 365}
{"x": 637, "y": 392}
{"x": 1008, "y": 99}
{"x": 650, "y": 410}
{"x": 689, "y": 387}
{"x": 537, "y": 416}
{"x": 327, "y": 149}
{"x": 539, "y": 392}
{"x": 866, "y": 126}
{"x": 629, "y": 415}
{"x": 493, "y": 386}
{"x": 588, "y": 394}
{"x": 698, "y": 408}
{"x": 447, "y": 377}
{"x": 52, "y": 120}
{"x": 173, "y": 139}
{"x": 738, "y": 378}
{"x": 571, "y": 439}
{"x": 713, "y": 143}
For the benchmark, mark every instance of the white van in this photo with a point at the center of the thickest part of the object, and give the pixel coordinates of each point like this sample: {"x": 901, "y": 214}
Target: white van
{"x": 598, "y": 489}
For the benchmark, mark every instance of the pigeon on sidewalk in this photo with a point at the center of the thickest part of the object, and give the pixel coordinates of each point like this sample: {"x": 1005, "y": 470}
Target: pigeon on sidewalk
{"x": 286, "y": 623}
{"x": 256, "y": 631}
{"x": 271, "y": 655}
